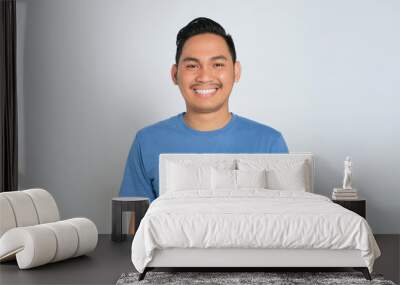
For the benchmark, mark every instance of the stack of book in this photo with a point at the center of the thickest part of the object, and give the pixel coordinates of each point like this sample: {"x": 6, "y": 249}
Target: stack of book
{"x": 344, "y": 194}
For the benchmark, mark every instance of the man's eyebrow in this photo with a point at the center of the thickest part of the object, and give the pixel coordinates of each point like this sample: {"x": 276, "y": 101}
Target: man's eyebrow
{"x": 190, "y": 59}
{"x": 218, "y": 57}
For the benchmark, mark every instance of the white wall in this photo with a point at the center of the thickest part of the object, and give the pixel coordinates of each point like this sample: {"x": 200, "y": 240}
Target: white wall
{"x": 91, "y": 73}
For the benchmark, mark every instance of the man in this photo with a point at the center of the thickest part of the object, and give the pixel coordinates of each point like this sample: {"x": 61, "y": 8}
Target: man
{"x": 205, "y": 70}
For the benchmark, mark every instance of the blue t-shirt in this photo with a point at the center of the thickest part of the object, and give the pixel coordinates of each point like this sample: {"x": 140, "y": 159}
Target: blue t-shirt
{"x": 239, "y": 135}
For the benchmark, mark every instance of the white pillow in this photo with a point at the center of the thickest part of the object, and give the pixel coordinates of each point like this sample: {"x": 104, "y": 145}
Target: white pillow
{"x": 188, "y": 174}
{"x": 184, "y": 177}
{"x": 236, "y": 179}
{"x": 281, "y": 174}
{"x": 223, "y": 179}
{"x": 251, "y": 178}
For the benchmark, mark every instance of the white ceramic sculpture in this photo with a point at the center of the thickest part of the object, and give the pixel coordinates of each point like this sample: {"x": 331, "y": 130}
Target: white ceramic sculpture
{"x": 347, "y": 180}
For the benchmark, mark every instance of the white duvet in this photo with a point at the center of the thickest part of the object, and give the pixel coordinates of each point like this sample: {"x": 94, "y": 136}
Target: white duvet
{"x": 251, "y": 218}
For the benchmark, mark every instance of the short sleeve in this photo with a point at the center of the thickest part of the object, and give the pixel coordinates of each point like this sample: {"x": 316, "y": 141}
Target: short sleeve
{"x": 279, "y": 145}
{"x": 135, "y": 181}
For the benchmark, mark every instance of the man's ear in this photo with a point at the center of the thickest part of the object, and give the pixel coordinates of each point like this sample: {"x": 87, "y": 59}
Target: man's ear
{"x": 237, "y": 70}
{"x": 174, "y": 73}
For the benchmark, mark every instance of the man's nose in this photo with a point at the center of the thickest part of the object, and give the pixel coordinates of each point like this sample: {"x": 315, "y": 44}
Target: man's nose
{"x": 204, "y": 74}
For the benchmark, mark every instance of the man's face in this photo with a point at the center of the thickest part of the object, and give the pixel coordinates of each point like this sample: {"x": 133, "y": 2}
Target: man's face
{"x": 205, "y": 73}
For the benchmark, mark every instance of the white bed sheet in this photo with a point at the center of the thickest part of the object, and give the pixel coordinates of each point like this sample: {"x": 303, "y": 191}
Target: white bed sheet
{"x": 250, "y": 218}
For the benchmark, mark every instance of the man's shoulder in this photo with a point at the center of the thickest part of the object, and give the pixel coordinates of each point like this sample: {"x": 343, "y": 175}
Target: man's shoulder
{"x": 158, "y": 127}
{"x": 254, "y": 126}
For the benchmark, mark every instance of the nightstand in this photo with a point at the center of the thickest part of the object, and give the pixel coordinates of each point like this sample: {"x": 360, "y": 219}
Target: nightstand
{"x": 120, "y": 204}
{"x": 358, "y": 206}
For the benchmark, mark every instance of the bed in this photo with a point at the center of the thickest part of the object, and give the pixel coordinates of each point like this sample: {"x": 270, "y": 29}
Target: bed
{"x": 244, "y": 211}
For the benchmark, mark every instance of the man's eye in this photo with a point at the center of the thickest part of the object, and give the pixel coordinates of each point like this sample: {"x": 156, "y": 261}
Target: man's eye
{"x": 219, "y": 65}
{"x": 191, "y": 66}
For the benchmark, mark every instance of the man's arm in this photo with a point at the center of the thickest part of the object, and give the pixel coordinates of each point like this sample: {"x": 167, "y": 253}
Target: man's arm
{"x": 135, "y": 181}
{"x": 279, "y": 145}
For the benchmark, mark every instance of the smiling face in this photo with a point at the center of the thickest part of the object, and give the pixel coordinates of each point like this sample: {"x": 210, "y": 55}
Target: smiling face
{"x": 205, "y": 73}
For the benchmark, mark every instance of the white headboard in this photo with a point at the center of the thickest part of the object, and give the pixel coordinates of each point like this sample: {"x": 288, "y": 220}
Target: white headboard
{"x": 210, "y": 157}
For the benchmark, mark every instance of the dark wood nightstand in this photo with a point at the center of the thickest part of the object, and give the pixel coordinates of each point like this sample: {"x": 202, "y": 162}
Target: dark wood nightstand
{"x": 357, "y": 206}
{"x": 120, "y": 204}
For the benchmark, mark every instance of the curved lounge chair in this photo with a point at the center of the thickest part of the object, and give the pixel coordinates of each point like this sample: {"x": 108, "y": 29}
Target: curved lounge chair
{"x": 31, "y": 231}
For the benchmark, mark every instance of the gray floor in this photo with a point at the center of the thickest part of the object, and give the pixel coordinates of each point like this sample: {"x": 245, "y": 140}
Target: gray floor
{"x": 110, "y": 260}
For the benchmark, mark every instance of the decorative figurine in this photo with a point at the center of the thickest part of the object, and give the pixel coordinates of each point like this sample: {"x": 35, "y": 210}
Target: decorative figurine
{"x": 347, "y": 174}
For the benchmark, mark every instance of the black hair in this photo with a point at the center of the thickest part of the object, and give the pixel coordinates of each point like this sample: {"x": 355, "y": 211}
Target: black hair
{"x": 198, "y": 26}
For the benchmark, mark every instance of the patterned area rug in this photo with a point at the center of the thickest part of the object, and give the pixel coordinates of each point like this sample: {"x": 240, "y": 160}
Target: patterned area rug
{"x": 269, "y": 278}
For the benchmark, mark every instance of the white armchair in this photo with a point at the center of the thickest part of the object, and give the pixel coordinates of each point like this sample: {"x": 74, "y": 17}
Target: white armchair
{"x": 32, "y": 233}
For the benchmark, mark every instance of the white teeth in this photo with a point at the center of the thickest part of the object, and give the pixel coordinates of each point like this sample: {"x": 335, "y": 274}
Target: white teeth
{"x": 204, "y": 91}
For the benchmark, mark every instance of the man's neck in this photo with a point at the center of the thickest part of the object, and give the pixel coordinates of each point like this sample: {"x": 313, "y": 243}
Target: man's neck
{"x": 207, "y": 121}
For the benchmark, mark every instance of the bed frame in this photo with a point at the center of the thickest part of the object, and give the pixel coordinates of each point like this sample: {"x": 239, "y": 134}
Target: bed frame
{"x": 250, "y": 259}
